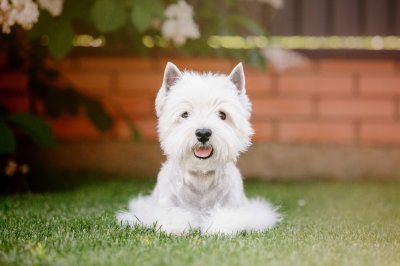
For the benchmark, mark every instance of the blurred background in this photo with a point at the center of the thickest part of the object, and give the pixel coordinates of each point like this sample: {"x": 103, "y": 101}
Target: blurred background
{"x": 78, "y": 81}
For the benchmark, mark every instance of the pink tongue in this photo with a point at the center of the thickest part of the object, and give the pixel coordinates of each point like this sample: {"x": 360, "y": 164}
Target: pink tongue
{"x": 203, "y": 152}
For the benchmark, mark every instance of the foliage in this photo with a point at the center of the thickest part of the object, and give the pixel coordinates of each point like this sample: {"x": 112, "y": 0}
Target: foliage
{"x": 31, "y": 125}
{"x": 126, "y": 22}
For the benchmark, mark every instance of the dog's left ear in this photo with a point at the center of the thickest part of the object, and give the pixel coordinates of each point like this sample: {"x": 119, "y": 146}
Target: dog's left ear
{"x": 237, "y": 78}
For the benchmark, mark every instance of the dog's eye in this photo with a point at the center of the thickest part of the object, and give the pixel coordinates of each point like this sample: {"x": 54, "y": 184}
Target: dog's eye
{"x": 222, "y": 115}
{"x": 185, "y": 115}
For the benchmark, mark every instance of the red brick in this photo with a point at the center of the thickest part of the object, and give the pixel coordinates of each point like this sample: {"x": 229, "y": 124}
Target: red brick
{"x": 278, "y": 107}
{"x": 133, "y": 108}
{"x": 258, "y": 85}
{"x": 94, "y": 83}
{"x": 146, "y": 125}
{"x": 117, "y": 63}
{"x": 134, "y": 84}
{"x": 15, "y": 104}
{"x": 316, "y": 132}
{"x": 147, "y": 129}
{"x": 357, "y": 108}
{"x": 357, "y": 65}
{"x": 14, "y": 82}
{"x": 387, "y": 86}
{"x": 121, "y": 130}
{"x": 253, "y": 70}
{"x": 315, "y": 85}
{"x": 74, "y": 128}
{"x": 67, "y": 64}
{"x": 380, "y": 133}
{"x": 307, "y": 67}
{"x": 263, "y": 131}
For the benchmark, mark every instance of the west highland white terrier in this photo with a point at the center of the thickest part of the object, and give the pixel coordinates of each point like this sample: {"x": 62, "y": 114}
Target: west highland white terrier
{"x": 203, "y": 126}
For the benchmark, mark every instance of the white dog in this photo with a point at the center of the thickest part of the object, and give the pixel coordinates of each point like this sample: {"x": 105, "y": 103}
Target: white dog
{"x": 203, "y": 126}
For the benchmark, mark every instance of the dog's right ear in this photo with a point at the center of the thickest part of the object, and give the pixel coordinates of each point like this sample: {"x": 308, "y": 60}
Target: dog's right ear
{"x": 237, "y": 78}
{"x": 171, "y": 75}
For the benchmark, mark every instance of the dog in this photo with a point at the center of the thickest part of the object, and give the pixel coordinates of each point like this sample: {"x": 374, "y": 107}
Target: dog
{"x": 203, "y": 126}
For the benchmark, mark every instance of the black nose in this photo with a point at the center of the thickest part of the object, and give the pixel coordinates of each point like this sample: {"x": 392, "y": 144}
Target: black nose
{"x": 203, "y": 134}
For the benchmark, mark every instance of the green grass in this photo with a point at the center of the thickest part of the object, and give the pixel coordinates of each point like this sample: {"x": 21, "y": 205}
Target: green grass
{"x": 340, "y": 224}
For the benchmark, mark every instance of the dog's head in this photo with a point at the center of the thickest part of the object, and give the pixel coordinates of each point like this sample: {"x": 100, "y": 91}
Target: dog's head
{"x": 203, "y": 118}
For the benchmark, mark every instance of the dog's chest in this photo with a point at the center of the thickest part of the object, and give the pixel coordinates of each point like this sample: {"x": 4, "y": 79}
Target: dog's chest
{"x": 202, "y": 191}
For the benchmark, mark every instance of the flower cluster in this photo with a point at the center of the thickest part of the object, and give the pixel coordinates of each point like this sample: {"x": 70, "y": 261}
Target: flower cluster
{"x": 179, "y": 24}
{"x": 22, "y": 12}
{"x": 54, "y": 7}
{"x": 25, "y": 12}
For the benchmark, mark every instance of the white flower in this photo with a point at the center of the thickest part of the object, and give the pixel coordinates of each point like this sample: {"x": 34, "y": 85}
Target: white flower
{"x": 277, "y": 4}
{"x": 282, "y": 59}
{"x": 4, "y": 9}
{"x": 53, "y": 6}
{"x": 180, "y": 25}
{"x": 28, "y": 13}
{"x": 179, "y": 10}
{"x": 22, "y": 12}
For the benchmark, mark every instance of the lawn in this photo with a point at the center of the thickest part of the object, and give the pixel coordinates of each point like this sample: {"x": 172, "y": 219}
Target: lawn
{"x": 326, "y": 223}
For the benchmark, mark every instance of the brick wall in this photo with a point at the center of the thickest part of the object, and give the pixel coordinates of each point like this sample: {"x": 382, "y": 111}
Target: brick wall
{"x": 327, "y": 101}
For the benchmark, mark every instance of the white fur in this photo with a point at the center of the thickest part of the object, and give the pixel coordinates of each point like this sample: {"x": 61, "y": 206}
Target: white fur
{"x": 193, "y": 193}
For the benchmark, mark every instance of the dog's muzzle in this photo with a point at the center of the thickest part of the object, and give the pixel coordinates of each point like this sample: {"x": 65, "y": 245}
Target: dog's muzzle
{"x": 203, "y": 151}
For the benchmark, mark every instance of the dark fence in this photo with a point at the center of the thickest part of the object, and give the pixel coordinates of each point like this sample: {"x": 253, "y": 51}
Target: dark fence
{"x": 333, "y": 17}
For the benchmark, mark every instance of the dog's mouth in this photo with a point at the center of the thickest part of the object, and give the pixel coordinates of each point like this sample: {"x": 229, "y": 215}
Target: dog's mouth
{"x": 203, "y": 152}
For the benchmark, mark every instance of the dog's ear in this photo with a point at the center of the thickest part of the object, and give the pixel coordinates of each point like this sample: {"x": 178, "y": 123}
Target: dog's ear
{"x": 171, "y": 75}
{"x": 237, "y": 78}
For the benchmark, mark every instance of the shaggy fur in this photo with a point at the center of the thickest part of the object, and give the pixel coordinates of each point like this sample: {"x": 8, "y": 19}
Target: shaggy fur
{"x": 199, "y": 186}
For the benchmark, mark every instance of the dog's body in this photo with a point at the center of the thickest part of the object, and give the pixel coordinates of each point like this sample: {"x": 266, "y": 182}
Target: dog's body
{"x": 203, "y": 127}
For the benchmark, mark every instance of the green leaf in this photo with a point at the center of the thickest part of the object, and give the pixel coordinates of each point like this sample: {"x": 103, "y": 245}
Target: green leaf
{"x": 248, "y": 24}
{"x": 34, "y": 127}
{"x": 59, "y": 101}
{"x": 7, "y": 139}
{"x": 98, "y": 115}
{"x": 60, "y": 39}
{"x": 45, "y": 25}
{"x": 108, "y": 15}
{"x": 75, "y": 9}
{"x": 256, "y": 59}
{"x": 135, "y": 134}
{"x": 144, "y": 12}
